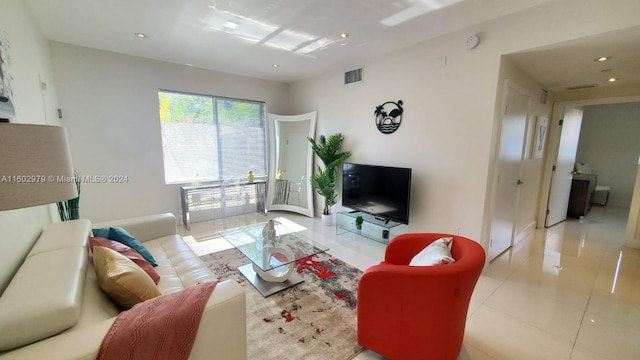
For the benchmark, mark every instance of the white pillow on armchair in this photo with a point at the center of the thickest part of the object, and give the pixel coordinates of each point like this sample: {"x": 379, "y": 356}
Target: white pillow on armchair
{"x": 436, "y": 253}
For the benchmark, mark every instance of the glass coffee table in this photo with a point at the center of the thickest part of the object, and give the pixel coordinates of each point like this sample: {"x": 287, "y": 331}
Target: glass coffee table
{"x": 272, "y": 262}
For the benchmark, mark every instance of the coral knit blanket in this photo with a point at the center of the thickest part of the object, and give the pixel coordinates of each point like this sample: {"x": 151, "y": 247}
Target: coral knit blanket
{"x": 161, "y": 328}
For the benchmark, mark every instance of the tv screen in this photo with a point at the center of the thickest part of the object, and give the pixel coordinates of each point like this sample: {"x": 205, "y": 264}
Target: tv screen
{"x": 381, "y": 191}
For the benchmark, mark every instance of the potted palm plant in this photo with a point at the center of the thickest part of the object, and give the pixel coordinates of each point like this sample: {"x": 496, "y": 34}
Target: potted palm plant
{"x": 329, "y": 151}
{"x": 70, "y": 209}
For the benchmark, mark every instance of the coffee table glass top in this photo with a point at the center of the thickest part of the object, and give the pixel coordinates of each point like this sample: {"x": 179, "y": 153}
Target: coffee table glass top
{"x": 248, "y": 239}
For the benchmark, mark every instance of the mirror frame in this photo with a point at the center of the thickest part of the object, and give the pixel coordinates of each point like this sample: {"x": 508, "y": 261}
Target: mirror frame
{"x": 271, "y": 118}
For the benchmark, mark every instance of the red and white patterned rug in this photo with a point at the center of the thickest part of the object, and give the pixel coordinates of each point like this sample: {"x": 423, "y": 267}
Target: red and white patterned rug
{"x": 312, "y": 320}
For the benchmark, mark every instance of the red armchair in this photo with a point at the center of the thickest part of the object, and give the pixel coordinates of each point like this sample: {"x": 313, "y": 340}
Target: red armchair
{"x": 418, "y": 312}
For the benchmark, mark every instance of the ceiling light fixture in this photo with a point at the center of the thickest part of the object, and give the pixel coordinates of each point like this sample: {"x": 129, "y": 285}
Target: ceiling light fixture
{"x": 613, "y": 79}
{"x": 230, "y": 25}
{"x": 140, "y": 35}
{"x": 344, "y": 35}
{"x": 602, "y": 59}
{"x": 276, "y": 65}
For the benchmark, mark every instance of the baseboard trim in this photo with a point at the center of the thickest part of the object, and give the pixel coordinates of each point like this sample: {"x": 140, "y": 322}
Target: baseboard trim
{"x": 525, "y": 232}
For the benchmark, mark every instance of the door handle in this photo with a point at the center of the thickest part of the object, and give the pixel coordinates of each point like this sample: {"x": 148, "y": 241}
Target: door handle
{"x": 520, "y": 182}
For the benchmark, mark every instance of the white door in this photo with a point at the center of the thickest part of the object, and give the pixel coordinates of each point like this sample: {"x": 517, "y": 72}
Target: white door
{"x": 562, "y": 175}
{"x": 509, "y": 167}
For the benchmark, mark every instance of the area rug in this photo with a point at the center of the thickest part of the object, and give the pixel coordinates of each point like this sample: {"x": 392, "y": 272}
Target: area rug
{"x": 312, "y": 320}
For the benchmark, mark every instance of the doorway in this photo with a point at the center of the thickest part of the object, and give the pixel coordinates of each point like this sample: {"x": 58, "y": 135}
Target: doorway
{"x": 554, "y": 147}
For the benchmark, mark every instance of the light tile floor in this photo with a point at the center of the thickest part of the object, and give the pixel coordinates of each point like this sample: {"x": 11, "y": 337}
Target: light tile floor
{"x": 568, "y": 292}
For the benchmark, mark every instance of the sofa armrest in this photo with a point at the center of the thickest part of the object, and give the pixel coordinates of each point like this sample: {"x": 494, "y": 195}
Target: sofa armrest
{"x": 222, "y": 333}
{"x": 145, "y": 228}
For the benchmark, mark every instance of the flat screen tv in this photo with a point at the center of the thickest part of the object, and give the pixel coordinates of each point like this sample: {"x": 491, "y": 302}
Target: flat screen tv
{"x": 381, "y": 191}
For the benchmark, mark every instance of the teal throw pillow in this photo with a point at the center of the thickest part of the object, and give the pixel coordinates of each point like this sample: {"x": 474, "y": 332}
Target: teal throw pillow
{"x": 102, "y": 232}
{"x": 122, "y": 236}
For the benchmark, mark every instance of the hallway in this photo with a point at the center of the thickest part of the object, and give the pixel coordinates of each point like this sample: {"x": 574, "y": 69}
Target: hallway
{"x": 568, "y": 292}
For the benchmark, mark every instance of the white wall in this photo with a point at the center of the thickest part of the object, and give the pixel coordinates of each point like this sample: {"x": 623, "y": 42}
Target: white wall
{"x": 30, "y": 59}
{"x": 110, "y": 108}
{"x": 450, "y": 124}
{"x": 610, "y": 143}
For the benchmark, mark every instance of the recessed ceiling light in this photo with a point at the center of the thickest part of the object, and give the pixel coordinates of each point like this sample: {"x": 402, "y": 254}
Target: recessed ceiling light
{"x": 275, "y": 65}
{"x": 602, "y": 59}
{"x": 230, "y": 25}
{"x": 140, "y": 35}
{"x": 344, "y": 35}
{"x": 613, "y": 79}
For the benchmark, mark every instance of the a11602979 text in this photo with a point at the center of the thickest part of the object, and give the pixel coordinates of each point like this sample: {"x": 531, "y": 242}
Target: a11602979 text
{"x": 88, "y": 179}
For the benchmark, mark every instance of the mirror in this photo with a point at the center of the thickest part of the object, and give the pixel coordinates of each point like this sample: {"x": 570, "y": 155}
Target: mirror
{"x": 290, "y": 162}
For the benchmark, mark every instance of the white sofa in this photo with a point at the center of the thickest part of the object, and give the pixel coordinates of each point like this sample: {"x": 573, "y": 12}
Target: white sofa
{"x": 54, "y": 295}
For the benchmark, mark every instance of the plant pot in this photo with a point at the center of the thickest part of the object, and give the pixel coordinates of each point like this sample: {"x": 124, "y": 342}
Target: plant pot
{"x": 359, "y": 227}
{"x": 327, "y": 220}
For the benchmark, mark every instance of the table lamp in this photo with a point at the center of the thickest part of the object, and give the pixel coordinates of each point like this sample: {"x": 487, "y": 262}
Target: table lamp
{"x": 35, "y": 166}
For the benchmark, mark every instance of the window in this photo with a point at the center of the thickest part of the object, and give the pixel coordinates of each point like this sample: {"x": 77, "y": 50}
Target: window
{"x": 208, "y": 138}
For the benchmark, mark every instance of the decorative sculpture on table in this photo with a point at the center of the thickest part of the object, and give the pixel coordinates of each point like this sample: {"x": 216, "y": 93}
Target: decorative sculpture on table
{"x": 269, "y": 234}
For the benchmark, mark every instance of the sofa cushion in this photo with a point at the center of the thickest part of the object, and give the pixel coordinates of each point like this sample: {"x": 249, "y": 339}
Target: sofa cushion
{"x": 178, "y": 266}
{"x": 128, "y": 252}
{"x": 61, "y": 235}
{"x": 436, "y": 253}
{"x": 44, "y": 298}
{"x": 121, "y": 279}
{"x": 121, "y": 235}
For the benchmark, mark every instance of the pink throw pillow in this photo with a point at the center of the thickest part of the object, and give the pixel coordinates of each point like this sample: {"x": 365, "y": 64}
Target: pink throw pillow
{"x": 128, "y": 252}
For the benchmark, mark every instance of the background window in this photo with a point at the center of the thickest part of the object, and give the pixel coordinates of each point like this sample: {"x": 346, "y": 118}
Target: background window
{"x": 207, "y": 138}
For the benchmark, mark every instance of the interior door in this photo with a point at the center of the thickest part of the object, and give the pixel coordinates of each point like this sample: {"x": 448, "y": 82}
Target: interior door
{"x": 509, "y": 167}
{"x": 562, "y": 175}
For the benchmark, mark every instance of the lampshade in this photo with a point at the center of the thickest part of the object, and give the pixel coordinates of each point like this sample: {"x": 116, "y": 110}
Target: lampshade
{"x": 35, "y": 166}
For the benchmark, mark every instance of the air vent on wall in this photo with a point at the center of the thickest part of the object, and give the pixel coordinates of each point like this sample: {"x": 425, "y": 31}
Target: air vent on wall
{"x": 581, "y": 87}
{"x": 353, "y": 76}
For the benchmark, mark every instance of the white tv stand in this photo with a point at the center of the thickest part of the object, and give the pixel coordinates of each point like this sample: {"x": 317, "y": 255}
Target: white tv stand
{"x": 372, "y": 227}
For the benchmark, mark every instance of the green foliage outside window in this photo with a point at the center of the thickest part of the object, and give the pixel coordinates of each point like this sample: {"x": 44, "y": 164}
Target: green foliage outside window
{"x": 207, "y": 138}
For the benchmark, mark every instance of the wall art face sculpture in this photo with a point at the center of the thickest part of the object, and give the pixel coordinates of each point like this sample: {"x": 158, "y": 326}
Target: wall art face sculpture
{"x": 388, "y": 116}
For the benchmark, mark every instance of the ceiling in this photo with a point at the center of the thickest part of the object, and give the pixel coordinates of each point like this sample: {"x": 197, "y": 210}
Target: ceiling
{"x": 248, "y": 37}
{"x": 573, "y": 64}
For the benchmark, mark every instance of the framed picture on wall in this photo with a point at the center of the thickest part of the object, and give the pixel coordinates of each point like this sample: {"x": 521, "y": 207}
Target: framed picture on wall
{"x": 540, "y": 137}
